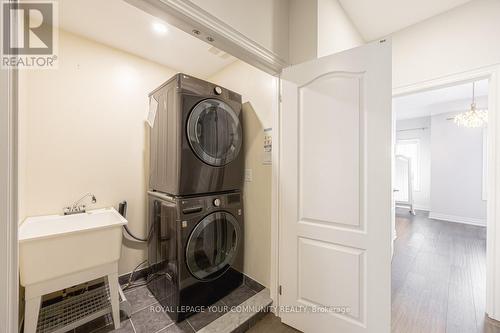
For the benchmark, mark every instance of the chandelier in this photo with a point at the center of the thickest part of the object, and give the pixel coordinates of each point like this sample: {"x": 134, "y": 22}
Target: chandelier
{"x": 473, "y": 117}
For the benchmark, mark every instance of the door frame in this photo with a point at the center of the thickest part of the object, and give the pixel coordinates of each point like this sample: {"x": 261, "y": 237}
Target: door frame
{"x": 274, "y": 280}
{"x": 9, "y": 282}
{"x": 9, "y": 278}
{"x": 492, "y": 73}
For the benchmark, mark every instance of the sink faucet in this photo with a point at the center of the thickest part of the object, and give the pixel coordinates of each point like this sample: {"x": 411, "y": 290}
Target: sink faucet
{"x": 76, "y": 208}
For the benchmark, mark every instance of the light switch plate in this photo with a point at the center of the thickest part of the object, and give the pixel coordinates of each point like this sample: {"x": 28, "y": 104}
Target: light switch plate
{"x": 248, "y": 175}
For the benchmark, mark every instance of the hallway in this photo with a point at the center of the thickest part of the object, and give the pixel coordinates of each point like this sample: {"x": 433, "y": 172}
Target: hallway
{"x": 438, "y": 276}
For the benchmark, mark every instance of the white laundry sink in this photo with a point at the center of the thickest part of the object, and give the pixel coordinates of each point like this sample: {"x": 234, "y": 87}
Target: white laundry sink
{"x": 57, "y": 245}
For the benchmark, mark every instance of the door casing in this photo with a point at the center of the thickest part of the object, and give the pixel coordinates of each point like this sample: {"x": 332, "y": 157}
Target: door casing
{"x": 492, "y": 73}
{"x": 9, "y": 285}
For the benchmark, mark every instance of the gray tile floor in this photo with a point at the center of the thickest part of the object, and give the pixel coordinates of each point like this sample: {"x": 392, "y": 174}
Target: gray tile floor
{"x": 438, "y": 276}
{"x": 147, "y": 315}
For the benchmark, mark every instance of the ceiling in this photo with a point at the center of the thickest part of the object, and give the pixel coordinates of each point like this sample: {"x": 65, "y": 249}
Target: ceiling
{"x": 379, "y": 18}
{"x": 120, "y": 25}
{"x": 432, "y": 102}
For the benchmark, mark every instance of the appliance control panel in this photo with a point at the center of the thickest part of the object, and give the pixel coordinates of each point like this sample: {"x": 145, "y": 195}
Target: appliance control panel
{"x": 206, "y": 204}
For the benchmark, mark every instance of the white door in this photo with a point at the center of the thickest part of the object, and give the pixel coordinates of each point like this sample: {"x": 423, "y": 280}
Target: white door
{"x": 402, "y": 179}
{"x": 336, "y": 192}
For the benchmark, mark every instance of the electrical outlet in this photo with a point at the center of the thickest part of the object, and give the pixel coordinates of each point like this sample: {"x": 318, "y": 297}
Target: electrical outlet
{"x": 248, "y": 175}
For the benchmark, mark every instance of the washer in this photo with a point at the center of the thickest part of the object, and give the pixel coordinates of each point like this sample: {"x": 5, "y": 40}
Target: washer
{"x": 196, "y": 250}
{"x": 197, "y": 138}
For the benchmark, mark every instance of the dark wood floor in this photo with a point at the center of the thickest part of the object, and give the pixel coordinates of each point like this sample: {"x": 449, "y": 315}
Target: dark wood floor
{"x": 271, "y": 324}
{"x": 438, "y": 277}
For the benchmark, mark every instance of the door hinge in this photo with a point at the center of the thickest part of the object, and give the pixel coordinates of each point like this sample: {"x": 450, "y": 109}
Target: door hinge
{"x": 279, "y": 98}
{"x": 280, "y": 290}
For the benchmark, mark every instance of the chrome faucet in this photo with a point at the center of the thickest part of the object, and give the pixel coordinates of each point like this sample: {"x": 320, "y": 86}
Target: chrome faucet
{"x": 76, "y": 208}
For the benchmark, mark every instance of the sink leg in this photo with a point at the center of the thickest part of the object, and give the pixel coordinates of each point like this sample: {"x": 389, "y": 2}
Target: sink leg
{"x": 115, "y": 302}
{"x": 31, "y": 311}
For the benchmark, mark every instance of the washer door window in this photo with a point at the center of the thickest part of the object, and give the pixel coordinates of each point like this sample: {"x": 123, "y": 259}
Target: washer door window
{"x": 212, "y": 246}
{"x": 214, "y": 132}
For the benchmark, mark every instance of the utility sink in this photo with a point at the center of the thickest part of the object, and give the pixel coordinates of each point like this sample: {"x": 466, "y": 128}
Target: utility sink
{"x": 59, "y": 245}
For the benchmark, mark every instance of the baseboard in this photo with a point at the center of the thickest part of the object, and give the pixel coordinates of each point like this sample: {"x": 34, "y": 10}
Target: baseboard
{"x": 457, "y": 219}
{"x": 419, "y": 207}
{"x": 141, "y": 273}
{"x": 416, "y": 207}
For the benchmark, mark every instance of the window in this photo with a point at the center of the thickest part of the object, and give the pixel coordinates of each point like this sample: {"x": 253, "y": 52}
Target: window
{"x": 411, "y": 150}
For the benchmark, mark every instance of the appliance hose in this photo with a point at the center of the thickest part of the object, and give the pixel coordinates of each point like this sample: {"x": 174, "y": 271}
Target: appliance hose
{"x": 122, "y": 209}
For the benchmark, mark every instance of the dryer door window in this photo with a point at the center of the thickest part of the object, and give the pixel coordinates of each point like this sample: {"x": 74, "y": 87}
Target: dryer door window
{"x": 212, "y": 246}
{"x": 214, "y": 132}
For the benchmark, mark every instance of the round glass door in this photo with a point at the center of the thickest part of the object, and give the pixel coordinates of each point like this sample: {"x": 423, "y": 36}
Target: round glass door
{"x": 214, "y": 132}
{"x": 212, "y": 246}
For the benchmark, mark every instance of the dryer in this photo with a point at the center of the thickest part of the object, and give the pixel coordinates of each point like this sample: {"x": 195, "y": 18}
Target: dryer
{"x": 197, "y": 138}
{"x": 196, "y": 250}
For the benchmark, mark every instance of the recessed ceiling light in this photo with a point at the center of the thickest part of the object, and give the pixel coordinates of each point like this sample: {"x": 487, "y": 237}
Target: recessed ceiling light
{"x": 160, "y": 28}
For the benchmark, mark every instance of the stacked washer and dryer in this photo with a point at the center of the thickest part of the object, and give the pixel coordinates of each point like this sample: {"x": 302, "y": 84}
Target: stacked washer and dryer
{"x": 195, "y": 249}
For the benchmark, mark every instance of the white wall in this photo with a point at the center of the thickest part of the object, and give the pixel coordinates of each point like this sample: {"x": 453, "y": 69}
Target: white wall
{"x": 296, "y": 30}
{"x": 303, "y": 35}
{"x": 422, "y": 197}
{"x": 451, "y": 168}
{"x": 336, "y": 32}
{"x": 462, "y": 39}
{"x": 263, "y": 21}
{"x": 319, "y": 28}
{"x": 456, "y": 172}
{"x": 257, "y": 88}
{"x": 82, "y": 130}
